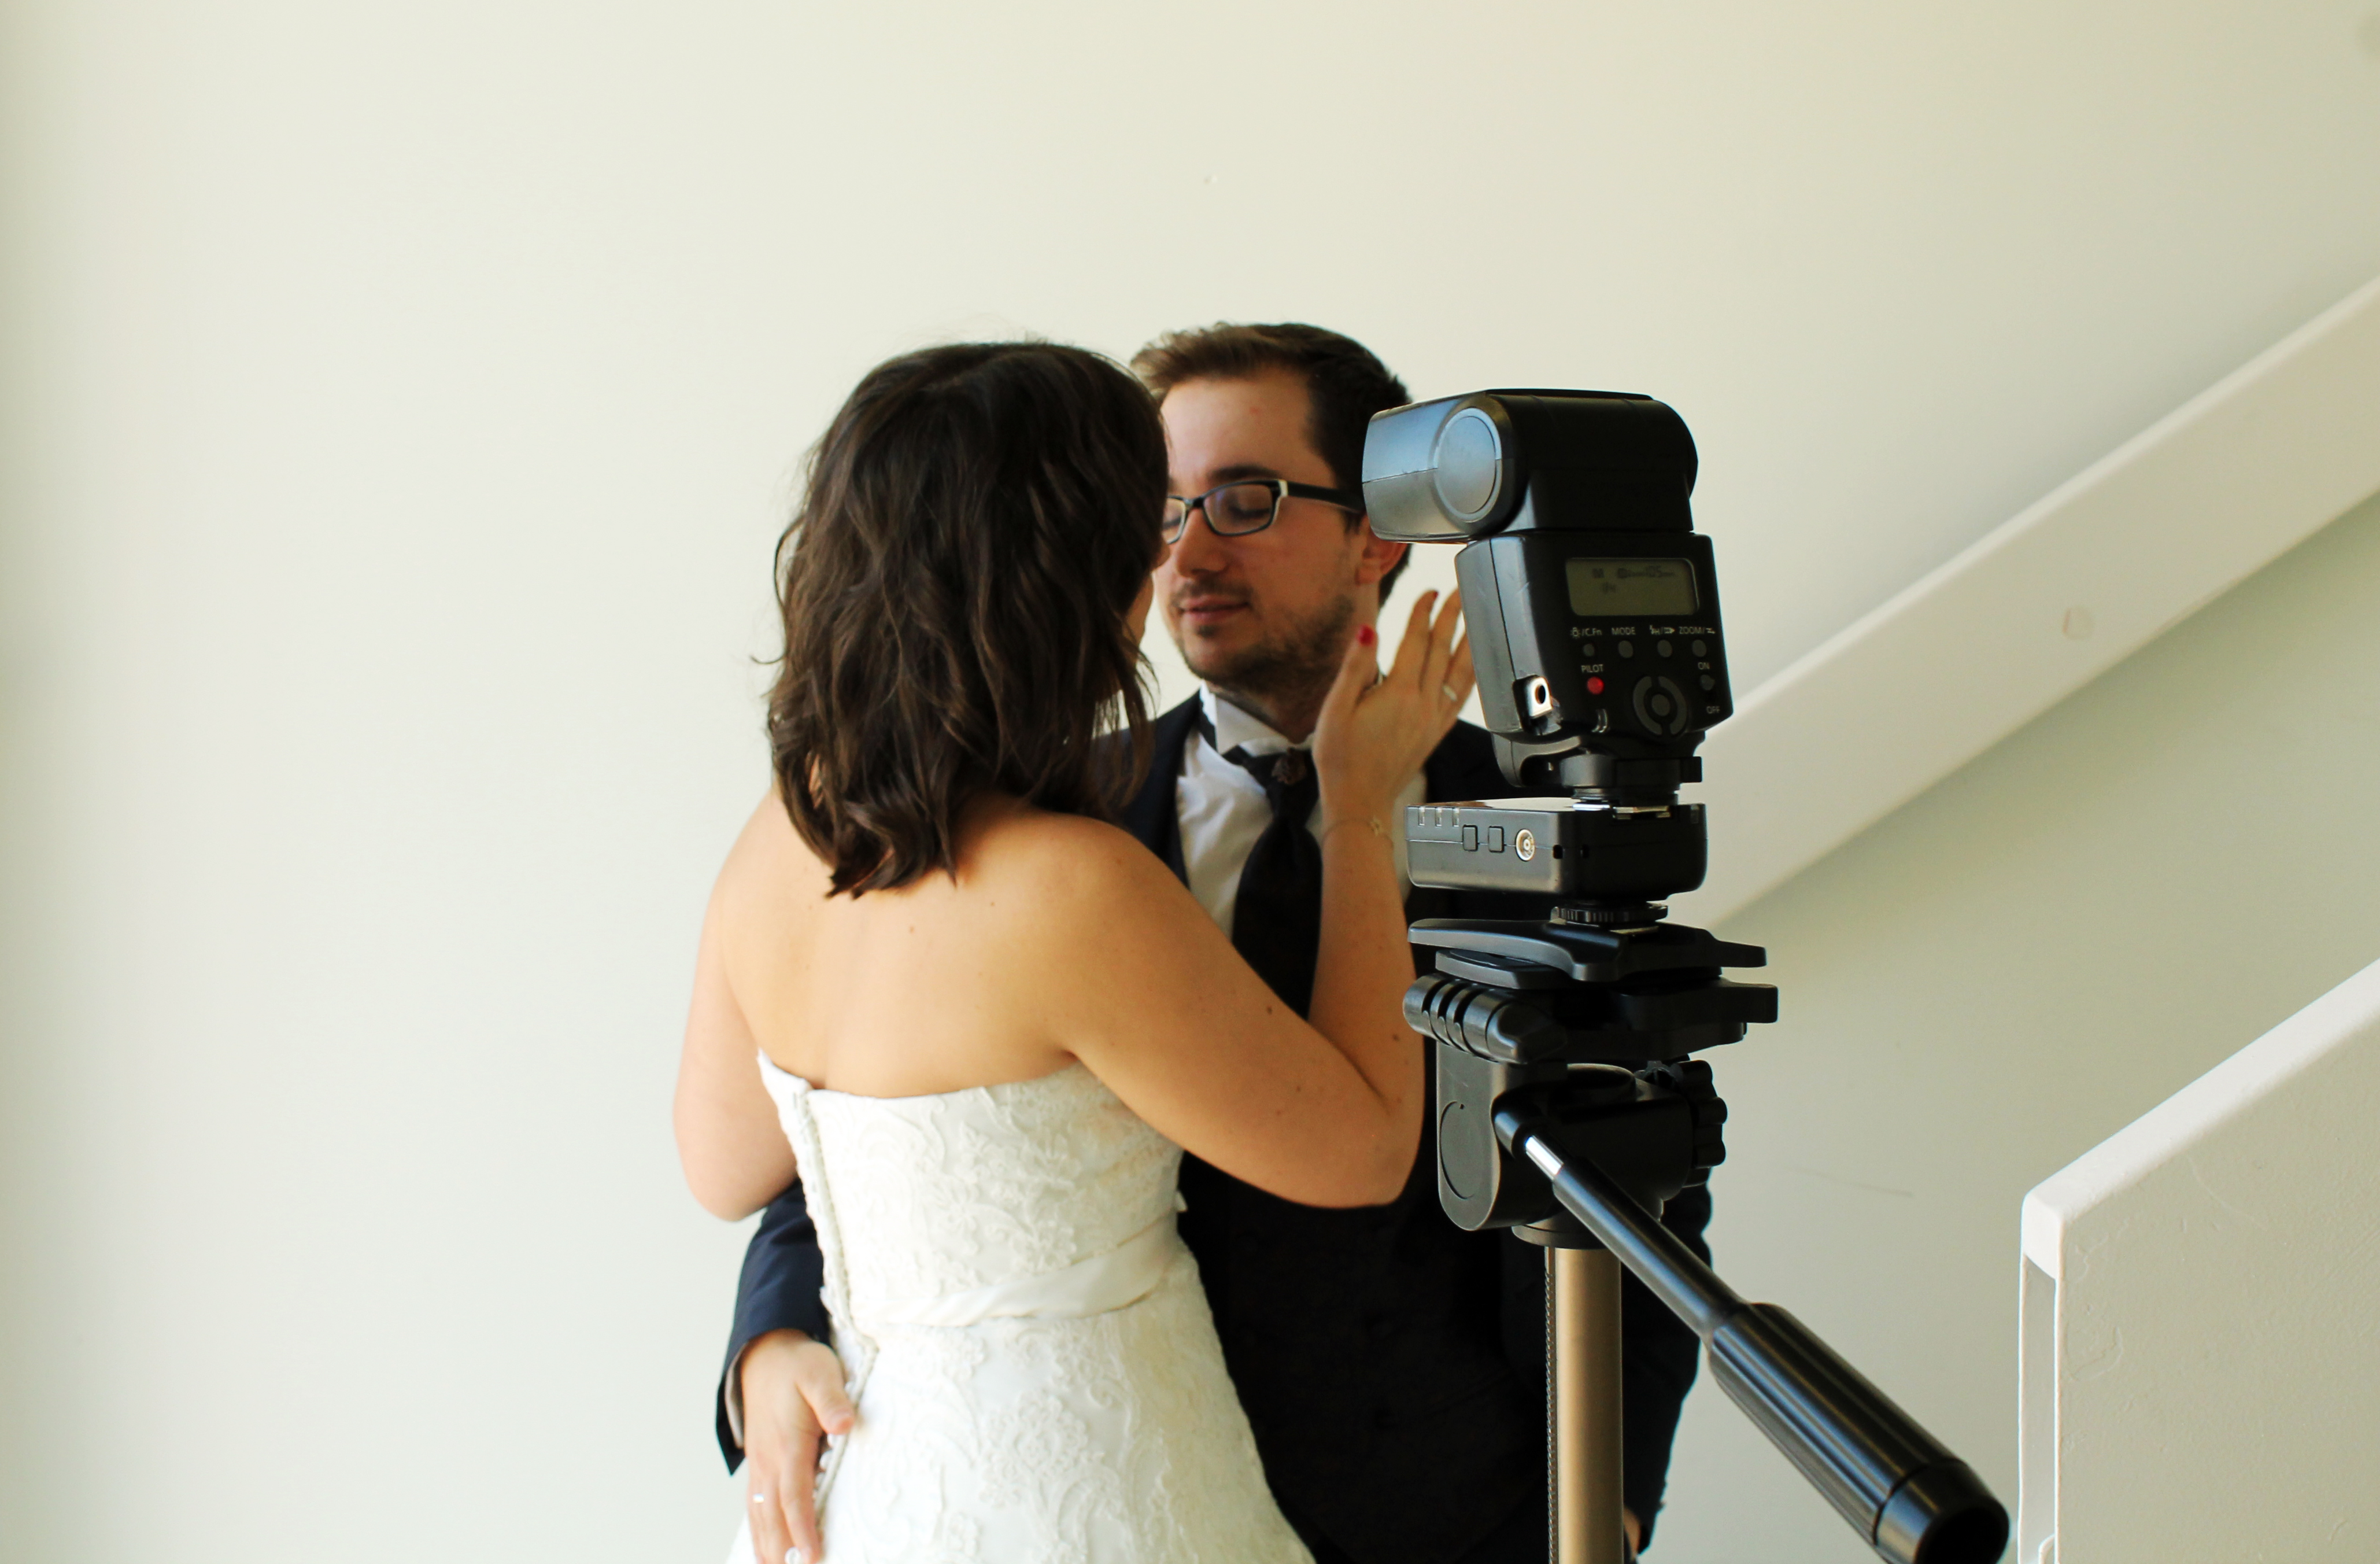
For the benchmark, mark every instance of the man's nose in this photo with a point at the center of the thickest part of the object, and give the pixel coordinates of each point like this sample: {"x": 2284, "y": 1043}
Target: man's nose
{"x": 1198, "y": 552}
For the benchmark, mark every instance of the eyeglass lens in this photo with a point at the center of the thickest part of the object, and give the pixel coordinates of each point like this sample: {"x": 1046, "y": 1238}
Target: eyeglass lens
{"x": 1230, "y": 510}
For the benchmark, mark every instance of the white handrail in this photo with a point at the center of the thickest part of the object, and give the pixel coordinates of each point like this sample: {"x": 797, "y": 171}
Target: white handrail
{"x": 2044, "y": 603}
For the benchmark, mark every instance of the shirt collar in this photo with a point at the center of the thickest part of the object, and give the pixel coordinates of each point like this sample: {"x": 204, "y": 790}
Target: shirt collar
{"x": 1236, "y": 729}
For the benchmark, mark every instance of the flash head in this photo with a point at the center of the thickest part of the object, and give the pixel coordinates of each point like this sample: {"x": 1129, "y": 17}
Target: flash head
{"x": 1464, "y": 467}
{"x": 1593, "y": 604}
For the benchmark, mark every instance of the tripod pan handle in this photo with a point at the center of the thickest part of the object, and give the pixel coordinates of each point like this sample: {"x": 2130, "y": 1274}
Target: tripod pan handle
{"x": 1913, "y": 1501}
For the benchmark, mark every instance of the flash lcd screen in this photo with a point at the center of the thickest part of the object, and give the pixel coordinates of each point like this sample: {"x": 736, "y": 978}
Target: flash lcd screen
{"x": 1603, "y": 588}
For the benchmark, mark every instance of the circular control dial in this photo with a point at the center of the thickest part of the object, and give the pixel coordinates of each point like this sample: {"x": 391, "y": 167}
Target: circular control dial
{"x": 1660, "y": 706}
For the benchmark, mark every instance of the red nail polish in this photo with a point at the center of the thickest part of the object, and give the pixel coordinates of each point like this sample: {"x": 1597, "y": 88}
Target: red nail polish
{"x": 1365, "y": 635}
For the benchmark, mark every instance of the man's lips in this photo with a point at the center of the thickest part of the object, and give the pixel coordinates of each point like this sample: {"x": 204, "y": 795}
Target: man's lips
{"x": 1209, "y": 610}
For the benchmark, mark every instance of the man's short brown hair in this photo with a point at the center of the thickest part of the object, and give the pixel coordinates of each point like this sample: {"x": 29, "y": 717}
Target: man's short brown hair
{"x": 1345, "y": 385}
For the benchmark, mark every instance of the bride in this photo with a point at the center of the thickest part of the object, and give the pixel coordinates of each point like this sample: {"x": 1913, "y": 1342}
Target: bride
{"x": 983, "y": 1023}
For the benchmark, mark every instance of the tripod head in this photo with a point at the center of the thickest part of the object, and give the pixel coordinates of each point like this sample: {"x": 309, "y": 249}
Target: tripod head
{"x": 1568, "y": 1108}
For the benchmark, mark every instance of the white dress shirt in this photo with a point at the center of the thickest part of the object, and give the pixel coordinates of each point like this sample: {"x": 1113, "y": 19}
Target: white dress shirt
{"x": 1223, "y": 810}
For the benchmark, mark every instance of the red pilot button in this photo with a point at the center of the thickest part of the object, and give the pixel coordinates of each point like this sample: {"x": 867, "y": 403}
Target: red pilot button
{"x": 1594, "y": 686}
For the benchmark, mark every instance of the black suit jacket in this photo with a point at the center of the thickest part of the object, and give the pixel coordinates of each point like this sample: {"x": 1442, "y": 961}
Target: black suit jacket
{"x": 1392, "y": 1366}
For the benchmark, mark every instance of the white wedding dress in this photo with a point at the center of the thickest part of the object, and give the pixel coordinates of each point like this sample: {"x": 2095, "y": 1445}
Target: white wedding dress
{"x": 1035, "y": 1370}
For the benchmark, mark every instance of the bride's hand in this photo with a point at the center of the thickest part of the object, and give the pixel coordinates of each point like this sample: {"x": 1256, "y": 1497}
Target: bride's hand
{"x": 793, "y": 1397}
{"x": 1377, "y": 729}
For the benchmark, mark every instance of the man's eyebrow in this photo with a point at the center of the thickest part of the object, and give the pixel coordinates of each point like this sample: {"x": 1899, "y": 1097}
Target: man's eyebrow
{"x": 1242, "y": 470}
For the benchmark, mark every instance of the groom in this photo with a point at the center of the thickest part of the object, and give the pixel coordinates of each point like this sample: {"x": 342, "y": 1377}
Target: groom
{"x": 1392, "y": 1366}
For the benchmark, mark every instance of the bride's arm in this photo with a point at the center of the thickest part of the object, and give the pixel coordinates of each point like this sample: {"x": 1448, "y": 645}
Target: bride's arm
{"x": 729, "y": 1140}
{"x": 1373, "y": 733}
{"x": 1148, "y": 992}
{"x": 1137, "y": 981}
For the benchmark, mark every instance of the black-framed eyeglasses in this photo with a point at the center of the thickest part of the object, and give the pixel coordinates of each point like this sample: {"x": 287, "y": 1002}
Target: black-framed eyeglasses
{"x": 1249, "y": 505}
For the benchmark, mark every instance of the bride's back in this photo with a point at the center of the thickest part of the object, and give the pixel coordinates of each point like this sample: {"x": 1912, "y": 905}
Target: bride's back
{"x": 937, "y": 986}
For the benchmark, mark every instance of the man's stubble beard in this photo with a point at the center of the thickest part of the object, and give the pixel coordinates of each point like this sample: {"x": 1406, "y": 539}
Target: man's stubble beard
{"x": 1288, "y": 671}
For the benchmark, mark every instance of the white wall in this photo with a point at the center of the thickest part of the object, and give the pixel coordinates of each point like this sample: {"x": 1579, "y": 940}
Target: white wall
{"x": 400, "y": 403}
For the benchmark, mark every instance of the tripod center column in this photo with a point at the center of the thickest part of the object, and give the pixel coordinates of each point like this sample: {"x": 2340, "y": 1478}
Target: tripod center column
{"x": 1586, "y": 1371}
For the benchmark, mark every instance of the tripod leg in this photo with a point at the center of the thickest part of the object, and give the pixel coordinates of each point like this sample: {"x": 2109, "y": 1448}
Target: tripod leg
{"x": 1585, "y": 1373}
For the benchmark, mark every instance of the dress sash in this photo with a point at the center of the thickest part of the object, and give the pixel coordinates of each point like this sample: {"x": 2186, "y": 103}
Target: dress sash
{"x": 1124, "y": 1275}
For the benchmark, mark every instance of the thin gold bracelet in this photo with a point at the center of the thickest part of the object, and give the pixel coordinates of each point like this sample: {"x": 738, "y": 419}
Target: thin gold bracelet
{"x": 1372, "y": 820}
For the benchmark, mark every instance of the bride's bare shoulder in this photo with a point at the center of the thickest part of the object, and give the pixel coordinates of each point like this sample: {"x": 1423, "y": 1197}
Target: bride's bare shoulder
{"x": 1047, "y": 864}
{"x": 768, "y": 860}
{"x": 1074, "y": 860}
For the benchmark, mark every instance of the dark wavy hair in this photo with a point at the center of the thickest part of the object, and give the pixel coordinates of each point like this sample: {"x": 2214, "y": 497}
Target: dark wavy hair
{"x": 977, "y": 522}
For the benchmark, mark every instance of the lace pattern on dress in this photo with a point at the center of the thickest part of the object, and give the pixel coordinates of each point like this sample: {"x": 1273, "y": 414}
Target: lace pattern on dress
{"x": 1035, "y": 1370}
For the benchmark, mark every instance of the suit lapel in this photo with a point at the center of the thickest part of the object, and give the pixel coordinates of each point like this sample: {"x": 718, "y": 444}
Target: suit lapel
{"x": 1463, "y": 767}
{"x": 1152, "y": 814}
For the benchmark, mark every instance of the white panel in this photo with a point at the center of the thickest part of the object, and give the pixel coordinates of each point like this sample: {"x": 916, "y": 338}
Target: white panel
{"x": 2036, "y": 1518}
{"x": 2042, "y": 604}
{"x": 2217, "y": 1375}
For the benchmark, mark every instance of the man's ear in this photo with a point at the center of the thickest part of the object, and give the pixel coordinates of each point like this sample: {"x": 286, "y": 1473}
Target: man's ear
{"x": 1380, "y": 555}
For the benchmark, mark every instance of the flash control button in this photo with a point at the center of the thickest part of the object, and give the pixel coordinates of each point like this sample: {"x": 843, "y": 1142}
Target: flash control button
{"x": 1660, "y": 705}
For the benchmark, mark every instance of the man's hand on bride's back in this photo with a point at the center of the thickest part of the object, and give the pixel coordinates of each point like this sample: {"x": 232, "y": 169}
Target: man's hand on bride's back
{"x": 792, "y": 1396}
{"x": 1373, "y": 734}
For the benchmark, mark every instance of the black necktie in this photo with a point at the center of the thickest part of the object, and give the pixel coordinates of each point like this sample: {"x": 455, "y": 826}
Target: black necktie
{"x": 1276, "y": 923}
{"x": 1277, "y": 920}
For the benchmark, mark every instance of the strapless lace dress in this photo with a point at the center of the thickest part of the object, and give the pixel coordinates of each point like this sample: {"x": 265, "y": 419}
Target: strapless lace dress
{"x": 1036, "y": 1372}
